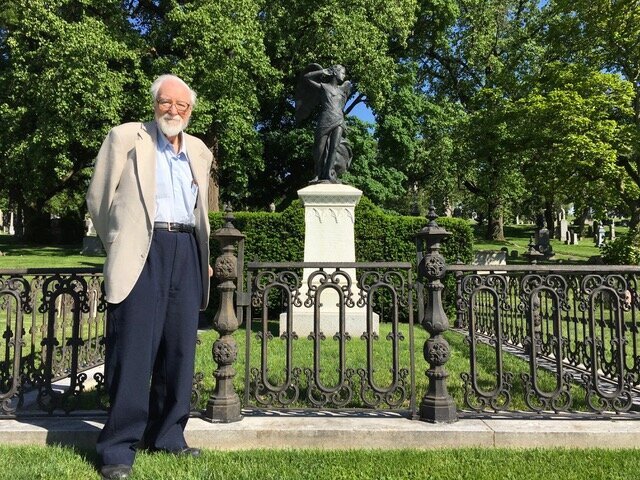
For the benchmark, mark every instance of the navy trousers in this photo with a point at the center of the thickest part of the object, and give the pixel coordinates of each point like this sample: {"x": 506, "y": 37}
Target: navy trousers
{"x": 150, "y": 350}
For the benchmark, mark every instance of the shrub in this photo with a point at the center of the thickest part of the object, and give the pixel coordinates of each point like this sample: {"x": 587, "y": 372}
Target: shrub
{"x": 379, "y": 236}
{"x": 624, "y": 250}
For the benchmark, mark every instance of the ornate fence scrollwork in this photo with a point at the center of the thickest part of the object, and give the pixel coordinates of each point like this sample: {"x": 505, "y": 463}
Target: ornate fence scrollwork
{"x": 578, "y": 323}
{"x": 318, "y": 371}
{"x": 53, "y": 328}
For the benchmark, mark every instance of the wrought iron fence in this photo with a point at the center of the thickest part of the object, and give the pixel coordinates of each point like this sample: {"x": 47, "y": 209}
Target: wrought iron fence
{"x": 329, "y": 336}
{"x": 578, "y": 322}
{"x": 52, "y": 323}
{"x": 341, "y": 335}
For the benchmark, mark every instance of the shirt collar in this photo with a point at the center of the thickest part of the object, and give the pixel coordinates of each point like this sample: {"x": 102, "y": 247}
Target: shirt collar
{"x": 163, "y": 143}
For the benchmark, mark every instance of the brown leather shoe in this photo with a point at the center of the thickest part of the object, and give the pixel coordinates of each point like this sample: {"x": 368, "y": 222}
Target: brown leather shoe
{"x": 115, "y": 472}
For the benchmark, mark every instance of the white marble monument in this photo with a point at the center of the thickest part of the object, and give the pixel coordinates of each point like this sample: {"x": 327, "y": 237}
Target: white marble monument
{"x": 329, "y": 237}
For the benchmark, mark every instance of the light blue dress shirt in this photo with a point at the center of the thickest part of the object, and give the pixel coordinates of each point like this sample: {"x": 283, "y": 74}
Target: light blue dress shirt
{"x": 176, "y": 191}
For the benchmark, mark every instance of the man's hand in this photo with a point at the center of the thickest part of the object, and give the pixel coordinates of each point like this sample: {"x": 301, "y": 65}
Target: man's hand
{"x": 210, "y": 271}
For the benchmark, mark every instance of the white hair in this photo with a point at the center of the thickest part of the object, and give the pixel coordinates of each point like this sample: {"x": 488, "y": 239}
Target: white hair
{"x": 157, "y": 83}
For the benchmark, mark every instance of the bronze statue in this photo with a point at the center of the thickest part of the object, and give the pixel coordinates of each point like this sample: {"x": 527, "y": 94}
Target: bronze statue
{"x": 328, "y": 89}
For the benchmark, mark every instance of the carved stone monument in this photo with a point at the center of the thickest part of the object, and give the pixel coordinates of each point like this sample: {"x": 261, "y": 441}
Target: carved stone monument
{"x": 329, "y": 237}
{"x": 91, "y": 244}
{"x": 600, "y": 236}
{"x": 563, "y": 226}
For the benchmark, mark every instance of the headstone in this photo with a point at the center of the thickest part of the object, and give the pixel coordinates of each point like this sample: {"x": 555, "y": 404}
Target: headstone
{"x": 489, "y": 257}
{"x": 563, "y": 228}
{"x": 91, "y": 244}
{"x": 612, "y": 231}
{"x": 329, "y": 210}
{"x": 542, "y": 242}
{"x": 600, "y": 236}
{"x": 572, "y": 238}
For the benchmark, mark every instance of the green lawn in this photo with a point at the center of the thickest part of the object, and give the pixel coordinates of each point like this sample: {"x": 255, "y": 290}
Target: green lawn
{"x": 20, "y": 255}
{"x": 16, "y": 254}
{"x": 34, "y": 463}
{"x": 517, "y": 237}
{"x": 356, "y": 357}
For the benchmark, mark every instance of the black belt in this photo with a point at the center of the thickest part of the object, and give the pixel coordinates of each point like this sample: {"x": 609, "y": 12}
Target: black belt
{"x": 173, "y": 227}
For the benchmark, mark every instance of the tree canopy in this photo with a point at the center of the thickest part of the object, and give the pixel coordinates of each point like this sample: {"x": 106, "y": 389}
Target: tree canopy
{"x": 504, "y": 107}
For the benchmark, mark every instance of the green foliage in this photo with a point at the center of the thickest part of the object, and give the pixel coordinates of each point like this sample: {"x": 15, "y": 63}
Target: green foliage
{"x": 217, "y": 47}
{"x": 572, "y": 126}
{"x": 379, "y": 237}
{"x": 378, "y": 180}
{"x": 624, "y": 250}
{"x": 67, "y": 78}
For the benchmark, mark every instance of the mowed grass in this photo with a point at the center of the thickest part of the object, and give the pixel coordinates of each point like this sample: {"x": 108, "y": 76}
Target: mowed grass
{"x": 458, "y": 363}
{"x": 517, "y": 237}
{"x": 16, "y": 255}
{"x": 54, "y": 462}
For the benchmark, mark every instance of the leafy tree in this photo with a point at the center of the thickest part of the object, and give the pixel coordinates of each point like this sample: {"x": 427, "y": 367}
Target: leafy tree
{"x": 382, "y": 184}
{"x": 605, "y": 35}
{"x": 217, "y": 47}
{"x": 473, "y": 53}
{"x": 69, "y": 72}
{"x": 367, "y": 37}
{"x": 570, "y": 129}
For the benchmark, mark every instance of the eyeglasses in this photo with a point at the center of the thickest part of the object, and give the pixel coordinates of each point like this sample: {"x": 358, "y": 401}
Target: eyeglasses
{"x": 165, "y": 104}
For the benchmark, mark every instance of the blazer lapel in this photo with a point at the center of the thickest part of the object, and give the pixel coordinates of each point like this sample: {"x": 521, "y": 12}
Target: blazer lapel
{"x": 146, "y": 167}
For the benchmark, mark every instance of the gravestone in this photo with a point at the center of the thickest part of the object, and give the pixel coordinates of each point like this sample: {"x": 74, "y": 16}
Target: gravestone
{"x": 542, "y": 240}
{"x": 91, "y": 244}
{"x": 600, "y": 236}
{"x": 572, "y": 237}
{"x": 612, "y": 230}
{"x": 563, "y": 228}
{"x": 329, "y": 237}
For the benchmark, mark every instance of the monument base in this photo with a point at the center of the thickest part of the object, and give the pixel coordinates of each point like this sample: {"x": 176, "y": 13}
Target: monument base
{"x": 91, "y": 246}
{"x": 355, "y": 323}
{"x": 329, "y": 217}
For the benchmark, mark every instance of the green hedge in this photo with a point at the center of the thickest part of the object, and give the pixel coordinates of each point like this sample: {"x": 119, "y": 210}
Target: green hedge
{"x": 380, "y": 237}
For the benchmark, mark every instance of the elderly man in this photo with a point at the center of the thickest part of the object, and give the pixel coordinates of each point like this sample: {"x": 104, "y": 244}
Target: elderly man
{"x": 148, "y": 202}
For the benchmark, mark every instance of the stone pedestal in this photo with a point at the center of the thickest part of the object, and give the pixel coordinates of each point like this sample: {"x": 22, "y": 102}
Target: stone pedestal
{"x": 91, "y": 245}
{"x": 329, "y": 237}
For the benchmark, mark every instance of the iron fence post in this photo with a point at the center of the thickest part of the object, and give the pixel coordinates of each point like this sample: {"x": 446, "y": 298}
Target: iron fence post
{"x": 437, "y": 405}
{"x": 224, "y": 402}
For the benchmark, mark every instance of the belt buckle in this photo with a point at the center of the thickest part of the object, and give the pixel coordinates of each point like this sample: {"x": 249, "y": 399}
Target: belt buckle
{"x": 170, "y": 228}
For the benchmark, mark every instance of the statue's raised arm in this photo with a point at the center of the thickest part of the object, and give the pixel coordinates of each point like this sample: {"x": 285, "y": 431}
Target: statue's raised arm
{"x": 328, "y": 89}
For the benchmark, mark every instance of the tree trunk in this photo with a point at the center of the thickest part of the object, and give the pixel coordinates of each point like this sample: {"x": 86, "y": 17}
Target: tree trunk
{"x": 634, "y": 221}
{"x": 37, "y": 225}
{"x": 495, "y": 223}
{"x": 549, "y": 217}
{"x": 580, "y": 219}
{"x": 214, "y": 195}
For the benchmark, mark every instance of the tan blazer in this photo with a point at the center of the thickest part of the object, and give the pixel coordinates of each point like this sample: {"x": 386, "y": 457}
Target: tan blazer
{"x": 121, "y": 202}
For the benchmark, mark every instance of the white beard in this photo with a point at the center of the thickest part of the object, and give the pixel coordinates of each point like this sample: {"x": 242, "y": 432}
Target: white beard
{"x": 171, "y": 125}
